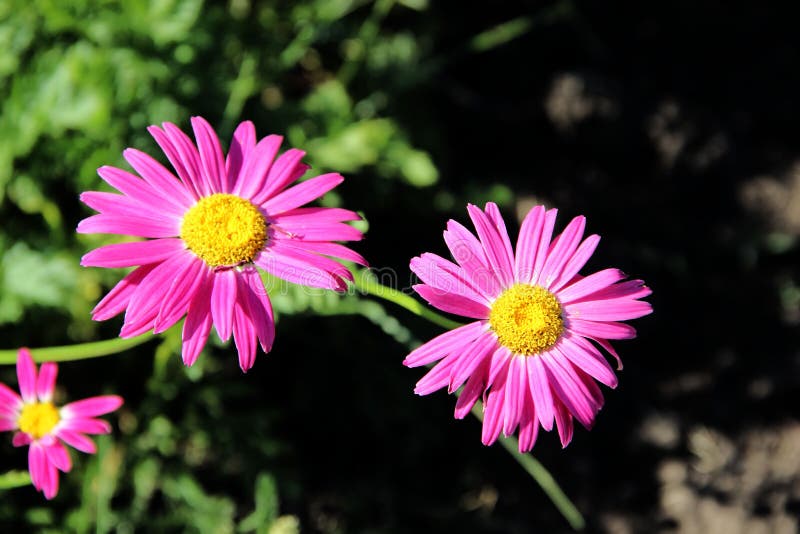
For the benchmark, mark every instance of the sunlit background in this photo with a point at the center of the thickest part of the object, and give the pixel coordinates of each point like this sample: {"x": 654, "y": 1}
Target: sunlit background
{"x": 673, "y": 127}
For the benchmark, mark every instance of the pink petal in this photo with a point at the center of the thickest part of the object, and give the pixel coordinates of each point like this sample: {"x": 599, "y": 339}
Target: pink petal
{"x": 137, "y": 189}
{"x": 37, "y": 465}
{"x": 475, "y": 385}
{"x": 87, "y": 426}
{"x": 133, "y": 253}
{"x": 91, "y": 407}
{"x": 50, "y": 484}
{"x": 211, "y": 159}
{"x": 330, "y": 249}
{"x": 7, "y": 424}
{"x": 601, "y": 330}
{"x": 528, "y": 426}
{"x": 243, "y": 142}
{"x": 301, "y": 267}
{"x": 586, "y": 357}
{"x": 544, "y": 242}
{"x": 630, "y": 289}
{"x": 494, "y": 408}
{"x": 563, "y": 423}
{"x": 445, "y": 276}
{"x": 493, "y": 213}
{"x": 259, "y": 308}
{"x": 539, "y": 384}
{"x": 444, "y": 344}
{"x": 607, "y": 346}
{"x": 608, "y": 309}
{"x": 438, "y": 377}
{"x": 302, "y": 193}
{"x": 590, "y": 284}
{"x": 561, "y": 251}
{"x": 530, "y": 233}
{"x": 176, "y": 300}
{"x": 286, "y": 170}
{"x": 223, "y": 297}
{"x": 187, "y": 151}
{"x": 326, "y": 231}
{"x": 177, "y": 156}
{"x": 516, "y": 383}
{"x": 568, "y": 387}
{"x": 451, "y": 302}
{"x": 9, "y": 400}
{"x": 159, "y": 178}
{"x": 118, "y": 298}
{"x": 21, "y": 439}
{"x": 576, "y": 262}
{"x": 470, "y": 360}
{"x": 244, "y": 336}
{"x": 252, "y": 178}
{"x": 46, "y": 382}
{"x": 26, "y": 375}
{"x": 469, "y": 254}
{"x": 147, "y": 299}
{"x": 198, "y": 321}
{"x": 124, "y": 206}
{"x": 77, "y": 440}
{"x": 494, "y": 246}
{"x": 126, "y": 225}
{"x": 58, "y": 456}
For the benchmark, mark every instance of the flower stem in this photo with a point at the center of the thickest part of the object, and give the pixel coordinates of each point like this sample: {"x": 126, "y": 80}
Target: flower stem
{"x": 79, "y": 351}
{"x": 542, "y": 477}
{"x": 366, "y": 283}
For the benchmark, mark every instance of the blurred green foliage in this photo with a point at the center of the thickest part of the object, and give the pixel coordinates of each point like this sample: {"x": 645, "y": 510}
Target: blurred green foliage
{"x": 79, "y": 81}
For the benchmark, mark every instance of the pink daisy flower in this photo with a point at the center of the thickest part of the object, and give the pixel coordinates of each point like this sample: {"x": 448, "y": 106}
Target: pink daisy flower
{"x": 44, "y": 427}
{"x": 532, "y": 352}
{"x": 208, "y": 229}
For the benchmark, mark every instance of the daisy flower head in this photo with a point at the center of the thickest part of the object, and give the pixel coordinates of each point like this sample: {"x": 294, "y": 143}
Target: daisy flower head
{"x": 207, "y": 229}
{"x": 532, "y": 352}
{"x": 45, "y": 428}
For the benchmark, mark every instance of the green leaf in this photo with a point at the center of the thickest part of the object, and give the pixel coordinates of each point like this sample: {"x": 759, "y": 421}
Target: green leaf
{"x": 14, "y": 479}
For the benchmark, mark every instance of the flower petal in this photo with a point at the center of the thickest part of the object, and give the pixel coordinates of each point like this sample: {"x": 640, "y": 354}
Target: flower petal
{"x": 252, "y": 180}
{"x": 175, "y": 301}
{"x": 576, "y": 262}
{"x": 87, "y": 425}
{"x": 137, "y": 189}
{"x": 91, "y": 407}
{"x": 133, "y": 253}
{"x": 590, "y": 284}
{"x": 58, "y": 456}
{"x": 493, "y": 245}
{"x": 125, "y": 225}
{"x": 516, "y": 381}
{"x": 471, "y": 359}
{"x": 586, "y": 357}
{"x": 476, "y": 383}
{"x": 528, "y": 243}
{"x": 452, "y": 303}
{"x": 601, "y": 330}
{"x": 286, "y": 170}
{"x": 159, "y": 177}
{"x": 608, "y": 309}
{"x": 26, "y": 375}
{"x": 442, "y": 345}
{"x": 223, "y": 297}
{"x": 9, "y": 399}
{"x": 445, "y": 276}
{"x": 561, "y": 250}
{"x": 46, "y": 382}
{"x": 198, "y": 321}
{"x": 212, "y": 162}
{"x": 177, "y": 155}
{"x": 118, "y": 298}
{"x": 77, "y": 440}
{"x": 244, "y": 334}
{"x": 283, "y": 260}
{"x": 539, "y": 384}
{"x": 302, "y": 193}
{"x": 21, "y": 439}
{"x": 187, "y": 152}
{"x": 259, "y": 307}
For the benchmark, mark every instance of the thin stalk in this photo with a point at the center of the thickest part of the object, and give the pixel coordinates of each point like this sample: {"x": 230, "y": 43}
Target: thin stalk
{"x": 365, "y": 282}
{"x": 541, "y": 475}
{"x": 79, "y": 351}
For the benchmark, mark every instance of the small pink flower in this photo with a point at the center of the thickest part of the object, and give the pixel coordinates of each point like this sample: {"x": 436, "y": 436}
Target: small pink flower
{"x": 43, "y": 426}
{"x": 532, "y": 352}
{"x": 208, "y": 229}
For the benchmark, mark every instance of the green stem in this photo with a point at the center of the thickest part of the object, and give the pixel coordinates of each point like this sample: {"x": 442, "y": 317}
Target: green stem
{"x": 79, "y": 351}
{"x": 541, "y": 475}
{"x": 366, "y": 283}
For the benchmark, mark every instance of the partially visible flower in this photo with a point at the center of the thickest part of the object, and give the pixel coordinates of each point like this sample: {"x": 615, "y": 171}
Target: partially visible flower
{"x": 43, "y": 426}
{"x": 208, "y": 229}
{"x": 533, "y": 351}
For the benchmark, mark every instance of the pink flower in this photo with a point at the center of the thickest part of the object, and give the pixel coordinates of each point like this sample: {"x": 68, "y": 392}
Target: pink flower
{"x": 42, "y": 426}
{"x": 207, "y": 231}
{"x": 532, "y": 352}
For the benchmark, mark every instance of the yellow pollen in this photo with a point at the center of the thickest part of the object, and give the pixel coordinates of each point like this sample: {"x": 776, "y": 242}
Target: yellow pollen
{"x": 224, "y": 229}
{"x": 526, "y": 319}
{"x": 38, "y": 419}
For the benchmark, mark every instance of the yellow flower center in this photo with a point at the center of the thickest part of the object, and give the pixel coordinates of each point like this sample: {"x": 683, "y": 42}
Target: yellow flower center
{"x": 526, "y": 319}
{"x": 224, "y": 229}
{"x": 38, "y": 418}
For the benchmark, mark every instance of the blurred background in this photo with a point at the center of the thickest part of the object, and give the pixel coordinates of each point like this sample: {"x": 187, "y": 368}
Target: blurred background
{"x": 672, "y": 126}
